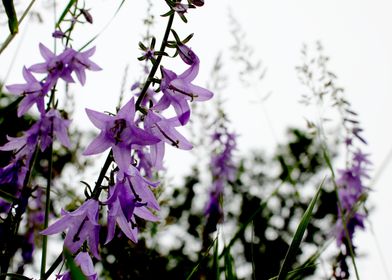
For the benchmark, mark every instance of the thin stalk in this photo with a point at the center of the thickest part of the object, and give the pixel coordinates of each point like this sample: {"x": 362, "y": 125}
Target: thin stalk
{"x": 350, "y": 247}
{"x": 155, "y": 66}
{"x": 47, "y": 207}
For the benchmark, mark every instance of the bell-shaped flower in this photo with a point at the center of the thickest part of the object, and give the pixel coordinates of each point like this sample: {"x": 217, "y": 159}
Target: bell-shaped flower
{"x": 123, "y": 205}
{"x": 178, "y": 90}
{"x": 118, "y": 132}
{"x": 33, "y": 92}
{"x": 80, "y": 61}
{"x": 164, "y": 129}
{"x": 55, "y": 65}
{"x": 82, "y": 225}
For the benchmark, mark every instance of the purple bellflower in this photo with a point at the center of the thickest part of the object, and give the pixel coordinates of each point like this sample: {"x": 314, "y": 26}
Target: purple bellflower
{"x": 118, "y": 132}
{"x": 164, "y": 129}
{"x": 351, "y": 189}
{"x": 123, "y": 205}
{"x": 82, "y": 225}
{"x": 41, "y": 132}
{"x": 178, "y": 90}
{"x": 80, "y": 61}
{"x": 55, "y": 66}
{"x": 33, "y": 92}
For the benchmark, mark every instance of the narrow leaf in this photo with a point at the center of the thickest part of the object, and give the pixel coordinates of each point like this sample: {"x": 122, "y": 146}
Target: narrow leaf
{"x": 295, "y": 243}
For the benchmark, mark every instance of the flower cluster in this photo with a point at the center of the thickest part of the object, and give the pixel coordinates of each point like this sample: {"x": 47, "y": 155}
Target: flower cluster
{"x": 223, "y": 170}
{"x": 51, "y": 122}
{"x": 351, "y": 190}
{"x": 137, "y": 144}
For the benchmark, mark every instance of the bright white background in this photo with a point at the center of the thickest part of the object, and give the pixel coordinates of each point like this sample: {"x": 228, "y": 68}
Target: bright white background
{"x": 355, "y": 34}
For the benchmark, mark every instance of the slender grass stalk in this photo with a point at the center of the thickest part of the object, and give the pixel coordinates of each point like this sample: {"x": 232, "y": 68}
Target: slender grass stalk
{"x": 47, "y": 206}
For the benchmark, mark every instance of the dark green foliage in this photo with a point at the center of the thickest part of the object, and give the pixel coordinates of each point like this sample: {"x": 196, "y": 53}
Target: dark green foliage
{"x": 269, "y": 191}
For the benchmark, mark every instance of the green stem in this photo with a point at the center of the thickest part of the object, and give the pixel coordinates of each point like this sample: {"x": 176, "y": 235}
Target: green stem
{"x": 155, "y": 66}
{"x": 47, "y": 207}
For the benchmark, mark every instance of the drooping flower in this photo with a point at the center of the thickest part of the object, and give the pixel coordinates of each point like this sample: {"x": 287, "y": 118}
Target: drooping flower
{"x": 41, "y": 132}
{"x": 118, "y": 132}
{"x": 178, "y": 90}
{"x": 82, "y": 225}
{"x": 164, "y": 129}
{"x": 80, "y": 61}
{"x": 350, "y": 190}
{"x": 33, "y": 92}
{"x": 123, "y": 205}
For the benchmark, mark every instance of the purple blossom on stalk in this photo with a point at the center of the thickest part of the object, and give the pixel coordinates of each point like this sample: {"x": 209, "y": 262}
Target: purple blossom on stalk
{"x": 83, "y": 260}
{"x": 223, "y": 171}
{"x": 41, "y": 132}
{"x": 33, "y": 92}
{"x": 82, "y": 225}
{"x": 123, "y": 205}
{"x": 178, "y": 90}
{"x": 164, "y": 129}
{"x": 54, "y": 66}
{"x": 350, "y": 190}
{"x": 62, "y": 65}
{"x": 118, "y": 132}
{"x": 80, "y": 61}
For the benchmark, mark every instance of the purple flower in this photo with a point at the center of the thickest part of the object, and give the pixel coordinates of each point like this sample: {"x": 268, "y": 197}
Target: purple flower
{"x": 350, "y": 190}
{"x": 178, "y": 90}
{"x": 55, "y": 65}
{"x": 58, "y": 34}
{"x": 33, "y": 92}
{"x": 80, "y": 61}
{"x": 164, "y": 129}
{"x": 118, "y": 132}
{"x": 82, "y": 225}
{"x": 83, "y": 260}
{"x": 123, "y": 205}
{"x": 41, "y": 132}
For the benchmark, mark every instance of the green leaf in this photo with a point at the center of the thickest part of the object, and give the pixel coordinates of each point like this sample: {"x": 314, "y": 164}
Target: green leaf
{"x": 295, "y": 243}
{"x": 11, "y": 14}
{"x": 76, "y": 272}
{"x": 229, "y": 266}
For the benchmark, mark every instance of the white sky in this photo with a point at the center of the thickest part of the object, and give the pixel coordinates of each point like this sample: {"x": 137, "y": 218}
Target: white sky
{"x": 356, "y": 35}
